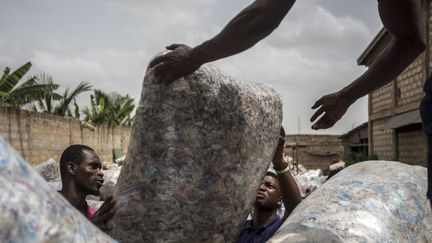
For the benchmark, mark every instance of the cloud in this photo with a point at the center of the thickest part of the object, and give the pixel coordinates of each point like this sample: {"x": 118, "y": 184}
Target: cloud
{"x": 312, "y": 53}
{"x": 110, "y": 42}
{"x": 315, "y": 30}
{"x": 105, "y": 69}
{"x": 161, "y": 12}
{"x": 299, "y": 80}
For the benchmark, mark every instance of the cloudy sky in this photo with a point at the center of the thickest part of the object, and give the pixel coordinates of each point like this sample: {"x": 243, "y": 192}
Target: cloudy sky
{"x": 110, "y": 42}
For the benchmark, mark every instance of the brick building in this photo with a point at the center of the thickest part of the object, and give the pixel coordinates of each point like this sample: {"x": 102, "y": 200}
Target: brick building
{"x": 356, "y": 141}
{"x": 314, "y": 151}
{"x": 395, "y": 128}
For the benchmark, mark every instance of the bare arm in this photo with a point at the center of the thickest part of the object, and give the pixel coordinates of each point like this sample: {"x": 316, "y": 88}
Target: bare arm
{"x": 402, "y": 19}
{"x": 104, "y": 214}
{"x": 251, "y": 25}
{"x": 291, "y": 196}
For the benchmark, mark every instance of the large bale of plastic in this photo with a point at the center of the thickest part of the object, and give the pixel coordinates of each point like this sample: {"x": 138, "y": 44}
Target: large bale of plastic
{"x": 110, "y": 180}
{"x": 49, "y": 170}
{"x": 374, "y": 201}
{"x": 199, "y": 149}
{"x": 55, "y": 184}
{"x": 31, "y": 211}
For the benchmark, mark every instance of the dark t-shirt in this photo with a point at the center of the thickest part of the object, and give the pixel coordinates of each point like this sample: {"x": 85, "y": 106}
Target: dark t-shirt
{"x": 249, "y": 235}
{"x": 426, "y": 114}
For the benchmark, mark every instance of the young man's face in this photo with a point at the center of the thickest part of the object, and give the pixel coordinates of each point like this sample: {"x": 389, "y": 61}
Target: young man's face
{"x": 268, "y": 194}
{"x": 89, "y": 176}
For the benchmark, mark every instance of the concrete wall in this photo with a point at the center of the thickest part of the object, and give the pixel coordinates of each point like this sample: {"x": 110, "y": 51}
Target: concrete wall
{"x": 40, "y": 136}
{"x": 402, "y": 95}
{"x": 301, "y": 148}
{"x": 382, "y": 138}
{"x": 412, "y": 147}
{"x": 409, "y": 84}
{"x": 381, "y": 99}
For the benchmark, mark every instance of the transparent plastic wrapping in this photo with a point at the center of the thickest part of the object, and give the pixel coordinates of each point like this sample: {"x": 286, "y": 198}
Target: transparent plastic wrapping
{"x": 32, "y": 211}
{"x": 199, "y": 149}
{"x": 373, "y": 201}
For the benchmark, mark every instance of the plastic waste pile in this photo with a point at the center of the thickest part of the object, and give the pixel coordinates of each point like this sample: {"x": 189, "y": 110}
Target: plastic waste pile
{"x": 307, "y": 180}
{"x": 310, "y": 181}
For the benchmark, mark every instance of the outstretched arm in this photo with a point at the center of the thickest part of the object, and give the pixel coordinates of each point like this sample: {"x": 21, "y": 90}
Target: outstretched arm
{"x": 402, "y": 19}
{"x": 291, "y": 196}
{"x": 251, "y": 25}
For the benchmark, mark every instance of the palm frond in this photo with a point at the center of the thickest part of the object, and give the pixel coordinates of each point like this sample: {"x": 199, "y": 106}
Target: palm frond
{"x": 5, "y": 74}
{"x": 9, "y": 82}
{"x": 26, "y": 94}
{"x": 68, "y": 97}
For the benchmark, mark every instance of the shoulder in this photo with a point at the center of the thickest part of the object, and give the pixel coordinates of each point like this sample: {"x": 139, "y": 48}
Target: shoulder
{"x": 274, "y": 224}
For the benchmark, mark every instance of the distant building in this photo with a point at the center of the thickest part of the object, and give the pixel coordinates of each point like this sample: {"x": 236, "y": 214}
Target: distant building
{"x": 314, "y": 151}
{"x": 395, "y": 128}
{"x": 356, "y": 140}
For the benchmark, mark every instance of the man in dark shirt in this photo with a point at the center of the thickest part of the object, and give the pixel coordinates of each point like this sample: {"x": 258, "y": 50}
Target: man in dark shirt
{"x": 81, "y": 175}
{"x": 274, "y": 190}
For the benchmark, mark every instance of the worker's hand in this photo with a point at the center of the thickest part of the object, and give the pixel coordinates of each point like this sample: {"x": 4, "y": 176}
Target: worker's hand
{"x": 278, "y": 159}
{"x": 333, "y": 106}
{"x": 175, "y": 64}
{"x": 103, "y": 214}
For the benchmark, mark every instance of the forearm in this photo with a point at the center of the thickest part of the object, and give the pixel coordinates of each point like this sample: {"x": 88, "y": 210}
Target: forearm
{"x": 386, "y": 68}
{"x": 251, "y": 25}
{"x": 290, "y": 192}
{"x": 291, "y": 196}
{"x": 403, "y": 20}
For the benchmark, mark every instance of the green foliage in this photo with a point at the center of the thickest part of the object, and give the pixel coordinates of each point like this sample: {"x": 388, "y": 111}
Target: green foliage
{"x": 352, "y": 158}
{"x": 110, "y": 109}
{"x": 39, "y": 92}
{"x": 46, "y": 104}
{"x": 57, "y": 104}
{"x": 63, "y": 108}
{"x": 27, "y": 92}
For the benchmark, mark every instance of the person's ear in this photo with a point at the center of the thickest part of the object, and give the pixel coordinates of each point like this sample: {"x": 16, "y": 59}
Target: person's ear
{"x": 71, "y": 168}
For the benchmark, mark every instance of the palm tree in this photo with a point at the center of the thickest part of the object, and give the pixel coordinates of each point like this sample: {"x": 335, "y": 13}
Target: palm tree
{"x": 124, "y": 108}
{"x": 46, "y": 104}
{"x": 111, "y": 109}
{"x": 97, "y": 112}
{"x": 121, "y": 108}
{"x": 27, "y": 92}
{"x": 57, "y": 104}
{"x": 63, "y": 108}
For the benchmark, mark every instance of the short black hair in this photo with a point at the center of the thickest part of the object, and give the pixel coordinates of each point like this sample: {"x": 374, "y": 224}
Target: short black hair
{"x": 74, "y": 153}
{"x": 272, "y": 174}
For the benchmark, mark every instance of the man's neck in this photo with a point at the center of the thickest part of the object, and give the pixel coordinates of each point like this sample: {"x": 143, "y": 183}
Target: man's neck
{"x": 261, "y": 217}
{"x": 75, "y": 197}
